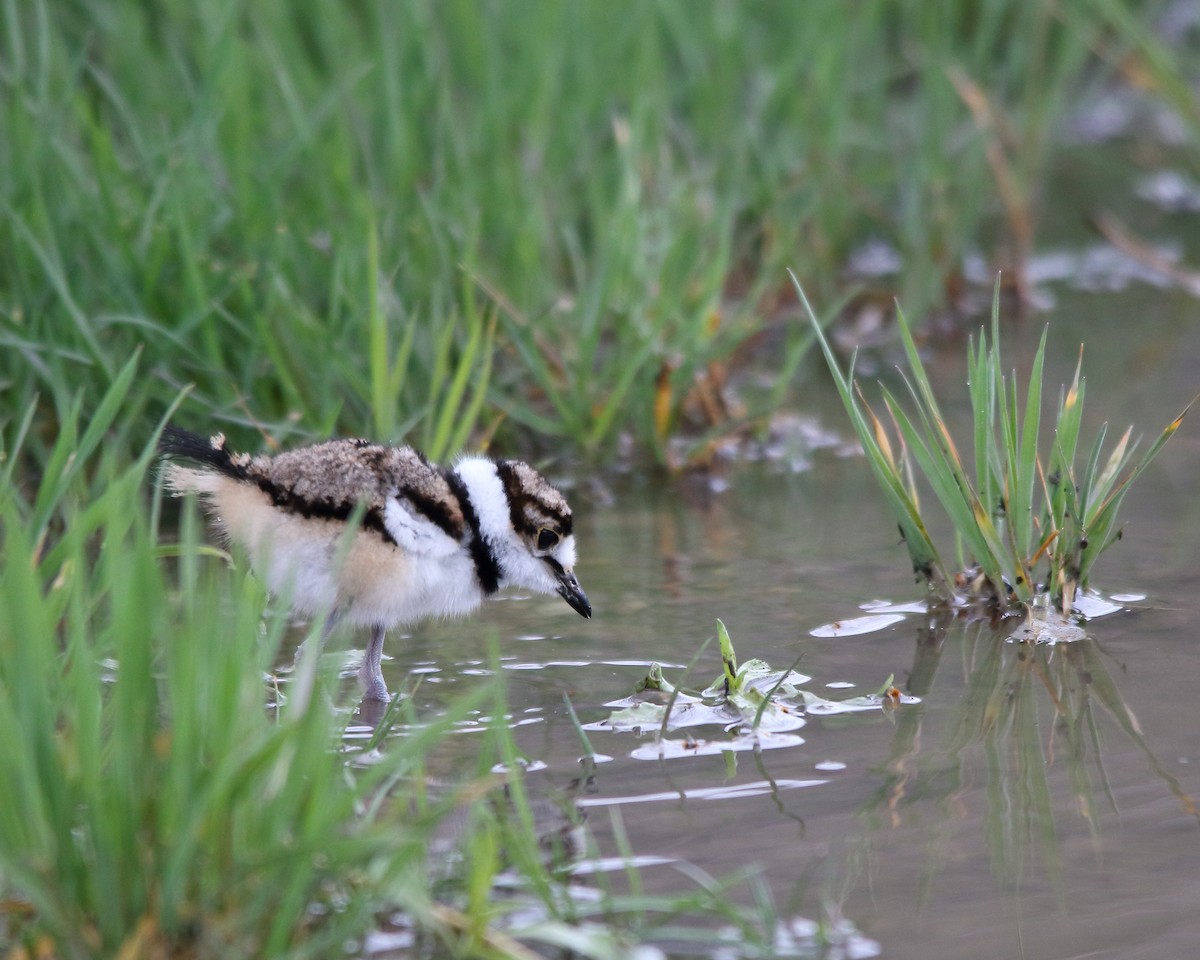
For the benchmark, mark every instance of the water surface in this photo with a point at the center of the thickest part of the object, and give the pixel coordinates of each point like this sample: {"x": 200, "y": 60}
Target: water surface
{"x": 1035, "y": 802}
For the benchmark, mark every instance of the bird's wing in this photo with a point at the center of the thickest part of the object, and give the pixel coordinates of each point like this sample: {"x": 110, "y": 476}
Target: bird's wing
{"x": 414, "y": 531}
{"x": 403, "y": 493}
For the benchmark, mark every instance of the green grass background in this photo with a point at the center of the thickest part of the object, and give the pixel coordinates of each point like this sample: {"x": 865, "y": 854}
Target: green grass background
{"x": 436, "y": 221}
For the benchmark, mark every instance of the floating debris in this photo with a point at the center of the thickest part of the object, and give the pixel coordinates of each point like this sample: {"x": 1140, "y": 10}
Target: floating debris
{"x": 1170, "y": 190}
{"x": 670, "y": 749}
{"x": 855, "y": 626}
{"x": 887, "y": 606}
{"x": 875, "y": 258}
{"x": 1047, "y": 626}
{"x": 728, "y": 791}
{"x": 1091, "y": 607}
{"x": 887, "y": 696}
{"x": 799, "y": 937}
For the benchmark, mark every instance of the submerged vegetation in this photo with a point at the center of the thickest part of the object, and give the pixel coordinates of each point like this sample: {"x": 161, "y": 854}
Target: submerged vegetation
{"x": 1029, "y": 521}
{"x": 755, "y": 706}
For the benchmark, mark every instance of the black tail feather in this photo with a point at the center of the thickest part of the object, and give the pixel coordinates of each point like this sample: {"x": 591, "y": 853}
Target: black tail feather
{"x": 213, "y": 452}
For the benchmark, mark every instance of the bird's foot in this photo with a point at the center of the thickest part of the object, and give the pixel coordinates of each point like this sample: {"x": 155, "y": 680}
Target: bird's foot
{"x": 373, "y": 687}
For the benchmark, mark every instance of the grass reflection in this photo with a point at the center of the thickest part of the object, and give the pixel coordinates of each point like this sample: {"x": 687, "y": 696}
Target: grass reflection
{"x": 1027, "y": 743}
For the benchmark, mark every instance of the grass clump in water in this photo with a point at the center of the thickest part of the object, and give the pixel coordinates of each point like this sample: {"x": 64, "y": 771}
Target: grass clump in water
{"x": 1029, "y": 522}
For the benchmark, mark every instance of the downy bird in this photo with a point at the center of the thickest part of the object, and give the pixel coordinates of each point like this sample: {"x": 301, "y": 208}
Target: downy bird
{"x": 432, "y": 541}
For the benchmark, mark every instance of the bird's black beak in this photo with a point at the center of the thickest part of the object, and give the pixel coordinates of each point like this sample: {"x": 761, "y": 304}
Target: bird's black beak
{"x": 569, "y": 590}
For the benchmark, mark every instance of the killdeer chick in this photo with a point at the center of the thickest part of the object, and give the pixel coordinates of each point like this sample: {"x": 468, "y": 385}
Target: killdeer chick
{"x": 433, "y": 541}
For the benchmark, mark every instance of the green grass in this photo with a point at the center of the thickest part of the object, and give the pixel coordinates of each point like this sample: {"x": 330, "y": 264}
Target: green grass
{"x": 153, "y": 804}
{"x": 1030, "y": 513}
{"x": 443, "y": 220}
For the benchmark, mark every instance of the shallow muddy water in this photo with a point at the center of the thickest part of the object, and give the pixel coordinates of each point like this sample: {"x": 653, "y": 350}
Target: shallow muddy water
{"x": 1036, "y": 801}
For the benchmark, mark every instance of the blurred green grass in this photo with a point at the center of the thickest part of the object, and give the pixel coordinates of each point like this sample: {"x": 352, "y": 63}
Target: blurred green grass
{"x": 314, "y": 212}
{"x": 153, "y": 805}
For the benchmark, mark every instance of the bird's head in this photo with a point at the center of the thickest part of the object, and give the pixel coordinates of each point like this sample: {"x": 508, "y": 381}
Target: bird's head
{"x": 528, "y": 526}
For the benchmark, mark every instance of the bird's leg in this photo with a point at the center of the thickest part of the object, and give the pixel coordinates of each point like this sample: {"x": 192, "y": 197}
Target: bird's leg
{"x": 304, "y": 664}
{"x": 370, "y": 674}
{"x": 331, "y": 622}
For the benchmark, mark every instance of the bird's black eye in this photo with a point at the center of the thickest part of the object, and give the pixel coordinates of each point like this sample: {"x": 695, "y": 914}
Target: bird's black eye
{"x": 547, "y": 538}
